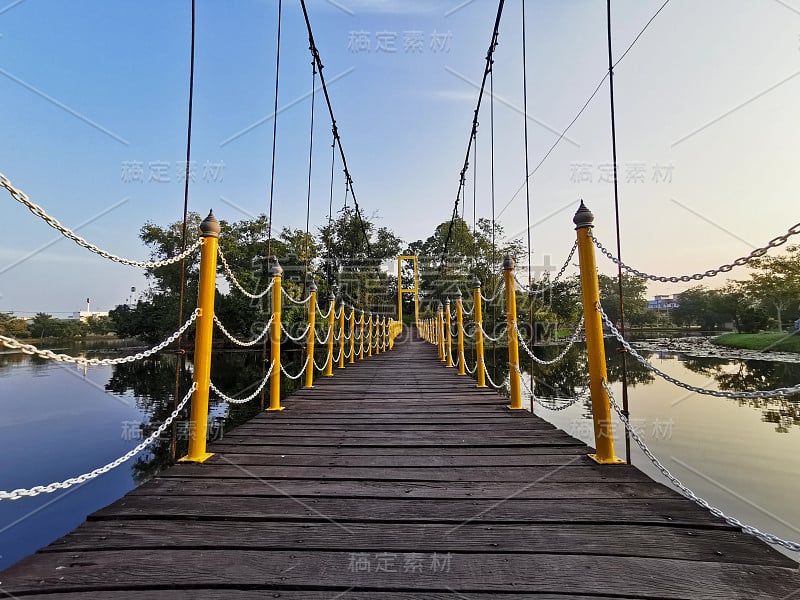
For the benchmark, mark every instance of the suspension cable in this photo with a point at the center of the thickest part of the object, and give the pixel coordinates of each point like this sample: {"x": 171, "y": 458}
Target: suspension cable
{"x": 336, "y": 136}
{"x": 486, "y": 71}
{"x": 310, "y": 167}
{"x": 527, "y": 181}
{"x": 184, "y": 240}
{"x": 619, "y": 240}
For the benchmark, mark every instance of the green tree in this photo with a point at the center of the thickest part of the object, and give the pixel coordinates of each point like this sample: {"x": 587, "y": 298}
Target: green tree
{"x": 775, "y": 284}
{"x": 634, "y": 291}
{"x": 12, "y": 326}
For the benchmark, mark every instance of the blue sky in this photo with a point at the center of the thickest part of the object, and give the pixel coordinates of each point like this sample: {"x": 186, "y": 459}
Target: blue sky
{"x": 92, "y": 90}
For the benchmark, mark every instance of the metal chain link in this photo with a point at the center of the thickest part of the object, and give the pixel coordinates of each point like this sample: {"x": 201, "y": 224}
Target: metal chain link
{"x": 490, "y": 338}
{"x": 238, "y": 285}
{"x": 37, "y": 210}
{"x": 292, "y": 300}
{"x": 742, "y": 260}
{"x": 574, "y": 338}
{"x": 239, "y": 342}
{"x": 230, "y": 400}
{"x": 337, "y": 357}
{"x": 749, "y": 529}
{"x": 323, "y": 341}
{"x": 505, "y": 384}
{"x": 472, "y": 371}
{"x": 500, "y": 290}
{"x": 322, "y": 368}
{"x": 542, "y": 401}
{"x": 327, "y": 314}
{"x": 547, "y": 284}
{"x": 68, "y": 483}
{"x": 298, "y": 339}
{"x": 300, "y": 374}
{"x": 776, "y": 393}
{"x": 12, "y": 343}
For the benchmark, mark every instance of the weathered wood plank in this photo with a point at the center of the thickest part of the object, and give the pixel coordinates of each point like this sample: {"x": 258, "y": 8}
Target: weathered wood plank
{"x": 483, "y": 572}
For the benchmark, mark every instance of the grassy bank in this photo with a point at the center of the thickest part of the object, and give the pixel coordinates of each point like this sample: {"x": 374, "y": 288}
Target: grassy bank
{"x": 775, "y": 341}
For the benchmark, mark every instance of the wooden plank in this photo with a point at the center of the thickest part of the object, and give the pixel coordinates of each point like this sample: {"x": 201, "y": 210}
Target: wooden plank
{"x": 484, "y": 572}
{"x": 240, "y": 447}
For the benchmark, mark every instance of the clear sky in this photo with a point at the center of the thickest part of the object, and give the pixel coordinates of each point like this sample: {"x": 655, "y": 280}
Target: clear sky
{"x": 94, "y": 100}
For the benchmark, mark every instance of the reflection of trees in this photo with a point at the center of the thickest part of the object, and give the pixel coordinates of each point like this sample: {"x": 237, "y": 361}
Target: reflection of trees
{"x": 754, "y": 375}
{"x": 152, "y": 383}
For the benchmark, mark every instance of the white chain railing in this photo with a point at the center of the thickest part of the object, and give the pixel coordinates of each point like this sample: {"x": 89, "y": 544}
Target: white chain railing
{"x": 742, "y": 260}
{"x": 320, "y": 340}
{"x": 37, "y": 210}
{"x": 292, "y": 300}
{"x": 239, "y": 342}
{"x": 299, "y": 338}
{"x": 12, "y": 343}
{"x": 548, "y": 283}
{"x": 299, "y": 375}
{"x": 337, "y": 357}
{"x": 260, "y": 387}
{"x": 573, "y": 338}
{"x": 500, "y": 290}
{"x": 505, "y": 384}
{"x": 749, "y": 529}
{"x": 486, "y": 336}
{"x": 776, "y": 393}
{"x": 544, "y": 401}
{"x": 326, "y": 314}
{"x": 470, "y": 371}
{"x": 68, "y": 483}
{"x": 238, "y": 285}
{"x": 322, "y": 368}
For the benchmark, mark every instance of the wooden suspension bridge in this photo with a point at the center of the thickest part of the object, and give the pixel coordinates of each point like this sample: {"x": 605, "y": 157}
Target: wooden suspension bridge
{"x": 399, "y": 479}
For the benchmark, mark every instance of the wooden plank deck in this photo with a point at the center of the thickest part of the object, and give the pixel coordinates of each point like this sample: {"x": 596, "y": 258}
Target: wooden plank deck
{"x": 399, "y": 479}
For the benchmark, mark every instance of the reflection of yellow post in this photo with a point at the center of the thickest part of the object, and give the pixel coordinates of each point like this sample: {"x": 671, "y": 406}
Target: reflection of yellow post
{"x": 595, "y": 350}
{"x": 460, "y": 323}
{"x": 513, "y": 344}
{"x": 331, "y": 326}
{"x": 275, "y": 340}
{"x": 476, "y": 296}
{"x": 312, "y": 321}
{"x": 341, "y": 337}
{"x": 361, "y": 350}
{"x": 352, "y": 334}
{"x": 448, "y": 335}
{"x": 209, "y": 229}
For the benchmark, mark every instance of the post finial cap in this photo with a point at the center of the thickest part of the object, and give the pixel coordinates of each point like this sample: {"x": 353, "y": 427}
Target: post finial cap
{"x": 457, "y": 294}
{"x": 210, "y": 226}
{"x": 439, "y": 306}
{"x": 583, "y": 217}
{"x": 276, "y": 270}
{"x": 476, "y": 283}
{"x": 447, "y": 301}
{"x": 312, "y": 286}
{"x": 508, "y": 263}
{"x": 332, "y": 297}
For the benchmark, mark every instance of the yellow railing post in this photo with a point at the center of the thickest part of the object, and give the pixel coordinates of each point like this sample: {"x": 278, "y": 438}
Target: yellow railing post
{"x": 513, "y": 342}
{"x": 341, "y": 336}
{"x": 311, "y": 336}
{"x": 449, "y": 336}
{"x": 275, "y": 339}
{"x": 369, "y": 335}
{"x": 384, "y": 340}
{"x": 440, "y": 331}
{"x": 331, "y": 326}
{"x": 476, "y": 297}
{"x": 377, "y": 334}
{"x": 460, "y": 323}
{"x": 595, "y": 350}
{"x": 198, "y": 427}
{"x": 352, "y": 334}
{"x": 361, "y": 351}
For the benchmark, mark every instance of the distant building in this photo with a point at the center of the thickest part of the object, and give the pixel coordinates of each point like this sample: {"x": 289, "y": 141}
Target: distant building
{"x": 84, "y": 315}
{"x": 663, "y": 303}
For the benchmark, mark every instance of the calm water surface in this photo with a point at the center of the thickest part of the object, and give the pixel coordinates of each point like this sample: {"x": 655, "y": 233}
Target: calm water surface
{"x": 60, "y": 421}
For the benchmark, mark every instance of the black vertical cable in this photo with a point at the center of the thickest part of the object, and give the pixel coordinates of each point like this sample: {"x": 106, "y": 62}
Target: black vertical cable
{"x": 179, "y": 352}
{"x": 619, "y": 244}
{"x": 310, "y": 164}
{"x": 330, "y": 210}
{"x": 527, "y": 185}
{"x": 272, "y": 181}
{"x": 494, "y": 246}
{"x": 475, "y": 202}
{"x": 274, "y": 132}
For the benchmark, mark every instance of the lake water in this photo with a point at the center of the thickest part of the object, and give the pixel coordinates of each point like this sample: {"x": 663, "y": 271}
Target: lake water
{"x": 60, "y": 421}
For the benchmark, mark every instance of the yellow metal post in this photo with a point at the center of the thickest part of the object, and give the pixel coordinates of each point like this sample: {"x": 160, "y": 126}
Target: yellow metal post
{"x": 352, "y": 334}
{"x": 369, "y": 335}
{"x": 449, "y": 336}
{"x": 595, "y": 350}
{"x": 440, "y": 331}
{"x": 275, "y": 340}
{"x": 460, "y": 322}
{"x": 377, "y": 334}
{"x": 341, "y": 336}
{"x": 311, "y": 336}
{"x": 476, "y": 297}
{"x": 209, "y": 230}
{"x": 513, "y": 342}
{"x": 361, "y": 351}
{"x": 331, "y": 326}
